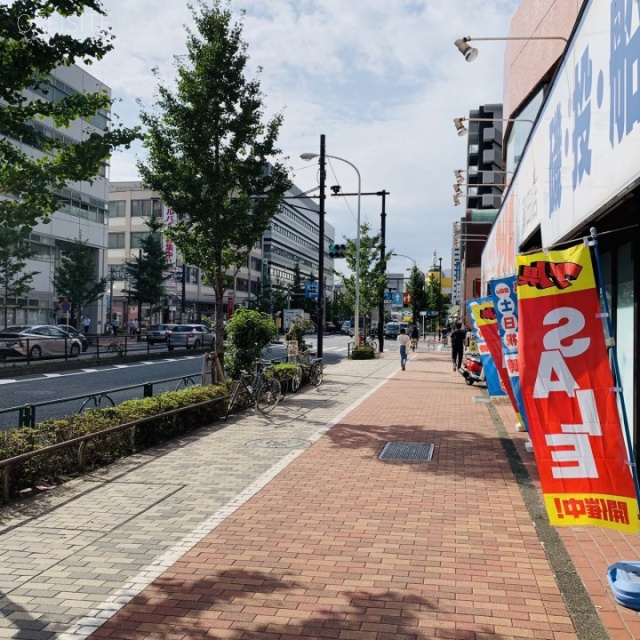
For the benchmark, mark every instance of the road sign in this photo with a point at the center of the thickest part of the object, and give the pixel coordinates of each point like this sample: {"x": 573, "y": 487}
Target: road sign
{"x": 423, "y": 313}
{"x": 65, "y": 306}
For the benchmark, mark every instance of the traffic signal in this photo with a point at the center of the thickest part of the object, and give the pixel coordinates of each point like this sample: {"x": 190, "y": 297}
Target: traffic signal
{"x": 337, "y": 250}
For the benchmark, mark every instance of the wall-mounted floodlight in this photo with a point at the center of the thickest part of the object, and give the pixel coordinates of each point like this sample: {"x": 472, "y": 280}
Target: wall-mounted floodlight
{"x": 458, "y": 173}
{"x": 471, "y": 53}
{"x": 462, "y": 130}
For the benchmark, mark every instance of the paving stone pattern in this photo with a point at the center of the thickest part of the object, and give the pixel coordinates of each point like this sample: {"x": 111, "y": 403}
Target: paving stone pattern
{"x": 224, "y": 535}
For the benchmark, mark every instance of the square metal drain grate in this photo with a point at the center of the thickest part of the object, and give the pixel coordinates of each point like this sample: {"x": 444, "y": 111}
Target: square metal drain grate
{"x": 407, "y": 451}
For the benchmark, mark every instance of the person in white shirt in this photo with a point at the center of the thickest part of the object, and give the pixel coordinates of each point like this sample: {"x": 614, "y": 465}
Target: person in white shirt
{"x": 403, "y": 341}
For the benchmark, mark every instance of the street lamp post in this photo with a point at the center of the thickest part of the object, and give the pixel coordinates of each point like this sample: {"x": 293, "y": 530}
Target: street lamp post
{"x": 310, "y": 156}
{"x": 440, "y": 293}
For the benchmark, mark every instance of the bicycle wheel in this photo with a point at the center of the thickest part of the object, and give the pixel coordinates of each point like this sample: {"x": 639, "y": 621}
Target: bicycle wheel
{"x": 268, "y": 395}
{"x": 316, "y": 374}
{"x": 232, "y": 399}
{"x": 296, "y": 379}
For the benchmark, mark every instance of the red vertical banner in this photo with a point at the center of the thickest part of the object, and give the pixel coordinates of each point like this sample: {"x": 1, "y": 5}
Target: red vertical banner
{"x": 229, "y": 307}
{"x": 568, "y": 393}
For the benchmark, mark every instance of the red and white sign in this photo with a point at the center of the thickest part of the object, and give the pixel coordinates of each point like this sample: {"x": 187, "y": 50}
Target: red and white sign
{"x": 568, "y": 393}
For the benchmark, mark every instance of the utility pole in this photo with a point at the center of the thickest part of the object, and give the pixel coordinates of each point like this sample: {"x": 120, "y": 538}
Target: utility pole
{"x": 320, "y": 317}
{"x": 184, "y": 289}
{"x": 383, "y": 264}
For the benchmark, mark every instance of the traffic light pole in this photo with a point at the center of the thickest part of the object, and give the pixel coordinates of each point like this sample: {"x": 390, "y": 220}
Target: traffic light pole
{"x": 383, "y": 252}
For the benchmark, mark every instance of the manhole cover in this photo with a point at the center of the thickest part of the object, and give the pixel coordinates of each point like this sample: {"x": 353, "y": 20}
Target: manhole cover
{"x": 289, "y": 443}
{"x": 407, "y": 451}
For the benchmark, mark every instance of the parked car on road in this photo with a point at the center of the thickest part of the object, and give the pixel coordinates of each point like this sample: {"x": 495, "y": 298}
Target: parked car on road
{"x": 189, "y": 336}
{"x": 74, "y": 333}
{"x": 38, "y": 341}
{"x": 159, "y": 333}
{"x": 346, "y": 325}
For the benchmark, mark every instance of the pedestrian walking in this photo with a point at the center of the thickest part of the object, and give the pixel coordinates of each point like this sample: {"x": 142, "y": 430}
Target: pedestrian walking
{"x": 403, "y": 341}
{"x": 86, "y": 324}
{"x": 458, "y": 337}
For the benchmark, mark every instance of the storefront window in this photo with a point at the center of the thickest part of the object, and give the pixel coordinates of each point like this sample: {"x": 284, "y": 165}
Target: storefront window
{"x": 625, "y": 300}
{"x": 520, "y": 130}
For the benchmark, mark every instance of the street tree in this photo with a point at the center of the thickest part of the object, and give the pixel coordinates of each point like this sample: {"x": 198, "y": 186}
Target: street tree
{"x": 210, "y": 154}
{"x": 75, "y": 278}
{"x": 436, "y": 302}
{"x": 15, "y": 282}
{"x": 373, "y": 278}
{"x": 29, "y": 52}
{"x": 148, "y": 271}
{"x": 415, "y": 285}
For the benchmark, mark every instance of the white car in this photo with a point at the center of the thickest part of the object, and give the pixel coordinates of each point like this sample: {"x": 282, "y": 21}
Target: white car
{"x": 38, "y": 341}
{"x": 196, "y": 336}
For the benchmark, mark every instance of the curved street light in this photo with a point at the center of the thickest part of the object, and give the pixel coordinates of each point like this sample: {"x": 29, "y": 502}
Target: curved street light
{"x": 356, "y": 315}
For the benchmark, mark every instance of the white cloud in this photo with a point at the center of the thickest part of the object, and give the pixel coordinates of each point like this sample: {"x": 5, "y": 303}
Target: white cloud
{"x": 380, "y": 78}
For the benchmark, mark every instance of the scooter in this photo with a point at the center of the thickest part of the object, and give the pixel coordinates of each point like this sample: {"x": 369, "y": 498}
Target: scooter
{"x": 471, "y": 369}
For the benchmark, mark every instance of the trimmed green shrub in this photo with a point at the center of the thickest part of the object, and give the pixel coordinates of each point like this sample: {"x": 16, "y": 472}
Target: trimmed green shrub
{"x": 56, "y": 466}
{"x": 363, "y": 353}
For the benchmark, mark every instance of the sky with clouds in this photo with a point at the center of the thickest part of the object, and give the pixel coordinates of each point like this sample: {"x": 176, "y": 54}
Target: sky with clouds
{"x": 381, "y": 79}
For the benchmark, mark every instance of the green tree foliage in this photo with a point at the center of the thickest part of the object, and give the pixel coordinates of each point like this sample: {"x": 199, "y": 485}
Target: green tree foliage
{"x": 436, "y": 302}
{"x": 249, "y": 332}
{"x": 415, "y": 285}
{"x": 373, "y": 279}
{"x": 28, "y": 54}
{"x": 209, "y": 152}
{"x": 298, "y": 328}
{"x": 15, "y": 282}
{"x": 75, "y": 278}
{"x": 148, "y": 270}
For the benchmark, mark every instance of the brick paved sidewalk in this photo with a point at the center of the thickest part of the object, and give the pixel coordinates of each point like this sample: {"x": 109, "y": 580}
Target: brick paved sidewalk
{"x": 342, "y": 545}
{"x": 214, "y": 537}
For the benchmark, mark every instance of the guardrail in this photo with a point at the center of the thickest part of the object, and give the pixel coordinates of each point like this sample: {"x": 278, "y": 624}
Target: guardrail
{"x": 100, "y": 346}
{"x": 27, "y": 413}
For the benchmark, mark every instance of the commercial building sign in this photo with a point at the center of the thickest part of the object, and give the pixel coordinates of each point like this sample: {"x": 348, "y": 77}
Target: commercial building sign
{"x": 168, "y": 219}
{"x": 583, "y": 149}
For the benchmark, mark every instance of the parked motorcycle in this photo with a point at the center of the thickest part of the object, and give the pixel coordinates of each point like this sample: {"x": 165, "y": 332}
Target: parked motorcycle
{"x": 471, "y": 369}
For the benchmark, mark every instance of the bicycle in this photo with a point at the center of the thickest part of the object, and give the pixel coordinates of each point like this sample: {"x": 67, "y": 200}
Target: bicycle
{"x": 306, "y": 365}
{"x": 262, "y": 389}
{"x": 316, "y": 372}
{"x": 370, "y": 342}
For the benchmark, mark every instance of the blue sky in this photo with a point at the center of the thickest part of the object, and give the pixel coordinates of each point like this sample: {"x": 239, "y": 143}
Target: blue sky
{"x": 380, "y": 78}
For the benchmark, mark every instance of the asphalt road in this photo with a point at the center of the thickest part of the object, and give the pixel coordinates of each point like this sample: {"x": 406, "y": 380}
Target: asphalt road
{"x": 178, "y": 369}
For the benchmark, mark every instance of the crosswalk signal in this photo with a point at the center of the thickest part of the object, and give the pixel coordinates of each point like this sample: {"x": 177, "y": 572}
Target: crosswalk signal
{"x": 337, "y": 250}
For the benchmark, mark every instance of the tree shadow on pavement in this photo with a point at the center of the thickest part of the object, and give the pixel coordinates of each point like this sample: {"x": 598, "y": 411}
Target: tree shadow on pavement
{"x": 245, "y": 604}
{"x": 456, "y": 451}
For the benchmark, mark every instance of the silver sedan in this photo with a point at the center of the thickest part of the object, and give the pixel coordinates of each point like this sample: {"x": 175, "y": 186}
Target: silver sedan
{"x": 37, "y": 341}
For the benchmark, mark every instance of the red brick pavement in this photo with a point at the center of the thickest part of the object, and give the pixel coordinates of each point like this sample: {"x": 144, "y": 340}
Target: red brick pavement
{"x": 342, "y": 545}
